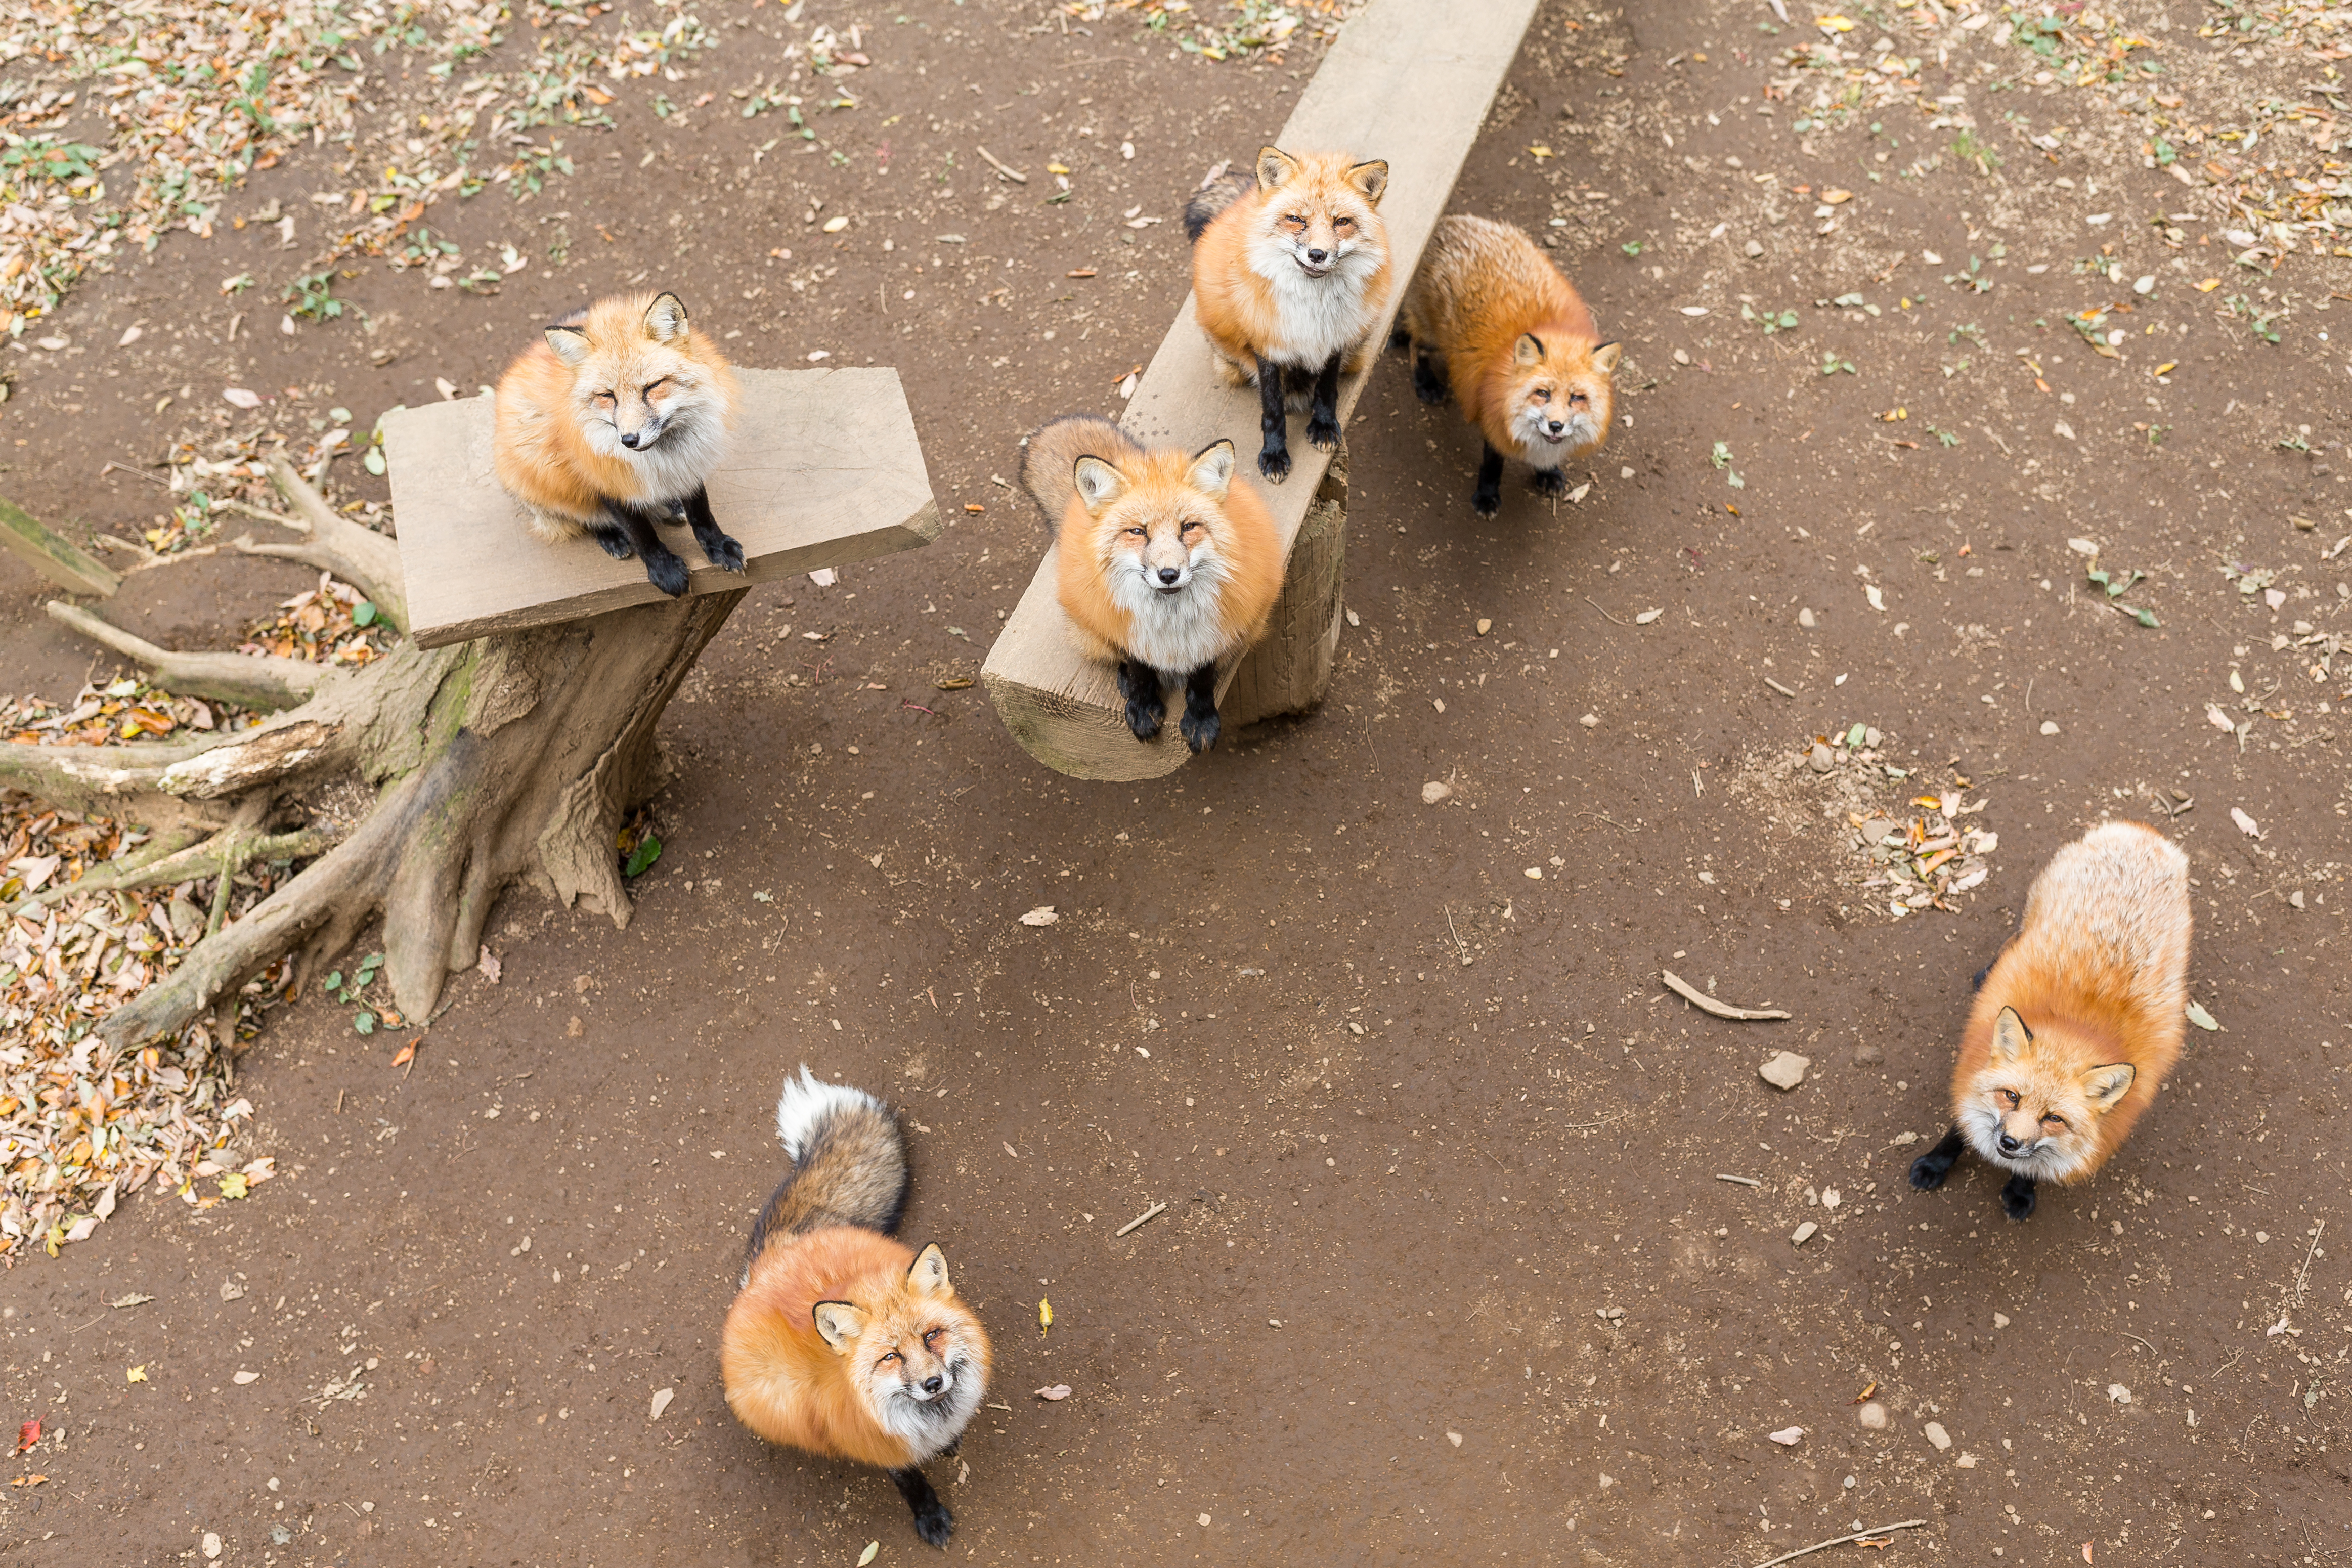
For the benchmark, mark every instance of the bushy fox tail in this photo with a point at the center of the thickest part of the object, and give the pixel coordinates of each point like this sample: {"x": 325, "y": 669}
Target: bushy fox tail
{"x": 1053, "y": 454}
{"x": 1213, "y": 198}
{"x": 849, "y": 1164}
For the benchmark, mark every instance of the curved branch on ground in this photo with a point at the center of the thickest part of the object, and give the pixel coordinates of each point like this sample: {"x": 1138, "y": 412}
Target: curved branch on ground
{"x": 256, "y": 680}
{"x": 372, "y": 560}
{"x": 129, "y": 872}
{"x": 125, "y": 781}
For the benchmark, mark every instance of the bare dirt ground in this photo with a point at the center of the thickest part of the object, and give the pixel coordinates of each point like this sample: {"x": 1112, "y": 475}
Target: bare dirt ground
{"x": 1448, "y": 1270}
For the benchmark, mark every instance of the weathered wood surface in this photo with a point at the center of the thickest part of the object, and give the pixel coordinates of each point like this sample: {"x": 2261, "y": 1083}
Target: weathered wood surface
{"x": 824, "y": 470}
{"x": 23, "y": 536}
{"x": 1409, "y": 81}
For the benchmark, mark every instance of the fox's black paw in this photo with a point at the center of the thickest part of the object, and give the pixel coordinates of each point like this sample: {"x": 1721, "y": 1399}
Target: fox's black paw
{"x": 2017, "y": 1198}
{"x": 1487, "y": 502}
{"x": 1426, "y": 384}
{"x": 1143, "y": 720}
{"x": 1200, "y": 730}
{"x": 934, "y": 1523}
{"x": 1274, "y": 462}
{"x": 1400, "y": 338}
{"x": 666, "y": 572}
{"x": 616, "y": 545}
{"x": 1927, "y": 1172}
{"x": 1323, "y": 434}
{"x": 724, "y": 553}
{"x": 1548, "y": 482}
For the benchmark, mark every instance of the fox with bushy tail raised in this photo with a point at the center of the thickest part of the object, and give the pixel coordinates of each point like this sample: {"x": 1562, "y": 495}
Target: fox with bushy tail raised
{"x": 613, "y": 423}
{"x": 2078, "y": 1020}
{"x": 843, "y": 1340}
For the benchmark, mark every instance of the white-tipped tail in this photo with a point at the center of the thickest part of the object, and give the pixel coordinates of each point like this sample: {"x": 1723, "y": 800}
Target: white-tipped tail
{"x": 807, "y": 1100}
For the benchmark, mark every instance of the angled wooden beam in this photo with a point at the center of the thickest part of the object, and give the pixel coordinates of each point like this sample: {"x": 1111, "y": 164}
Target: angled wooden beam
{"x": 824, "y": 470}
{"x": 1409, "y": 81}
{"x": 22, "y": 535}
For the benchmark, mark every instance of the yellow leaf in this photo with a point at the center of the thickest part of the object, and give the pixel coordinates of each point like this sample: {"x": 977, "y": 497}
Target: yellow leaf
{"x": 2168, "y": 367}
{"x": 1045, "y": 1315}
{"x": 1540, "y": 152}
{"x": 136, "y": 1374}
{"x": 1833, "y": 23}
{"x": 2208, "y": 285}
{"x": 233, "y": 1185}
{"x": 873, "y": 1550}
{"x": 1834, "y": 197}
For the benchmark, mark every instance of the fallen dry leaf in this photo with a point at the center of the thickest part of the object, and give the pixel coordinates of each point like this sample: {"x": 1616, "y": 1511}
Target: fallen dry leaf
{"x": 1043, "y": 915}
{"x": 2245, "y": 824}
{"x": 1057, "y": 1391}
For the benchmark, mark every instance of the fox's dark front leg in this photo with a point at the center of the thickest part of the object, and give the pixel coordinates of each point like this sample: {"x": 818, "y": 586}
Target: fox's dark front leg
{"x": 1323, "y": 407}
{"x": 2017, "y": 1199}
{"x": 1928, "y": 1171}
{"x": 1488, "y": 499}
{"x": 717, "y": 548}
{"x": 662, "y": 568}
{"x": 1548, "y": 482}
{"x": 1274, "y": 449}
{"x": 613, "y": 540}
{"x": 1140, "y": 684}
{"x": 1200, "y": 726}
{"x": 933, "y": 1522}
{"x": 1427, "y": 385}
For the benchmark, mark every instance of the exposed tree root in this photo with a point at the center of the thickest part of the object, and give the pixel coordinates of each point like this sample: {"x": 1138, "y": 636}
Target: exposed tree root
{"x": 510, "y": 758}
{"x": 255, "y": 679}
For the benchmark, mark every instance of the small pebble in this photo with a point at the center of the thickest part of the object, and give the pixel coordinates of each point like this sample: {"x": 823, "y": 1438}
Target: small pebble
{"x": 1484, "y": 625}
{"x": 1821, "y": 760}
{"x": 1785, "y": 1070}
{"x": 1873, "y": 1415}
{"x": 1805, "y": 619}
{"x": 1433, "y": 792}
{"x": 1935, "y": 1433}
{"x": 1751, "y": 250}
{"x": 2049, "y": 726}
{"x": 1589, "y": 720}
{"x": 1804, "y": 1234}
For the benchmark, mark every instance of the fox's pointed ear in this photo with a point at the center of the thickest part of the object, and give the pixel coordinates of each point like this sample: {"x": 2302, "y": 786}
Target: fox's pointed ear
{"x": 570, "y": 344}
{"x": 1604, "y": 358}
{"x": 839, "y": 1323}
{"x": 1213, "y": 470}
{"x": 2105, "y": 1085}
{"x": 1527, "y": 350}
{"x": 1273, "y": 167}
{"x": 1372, "y": 178}
{"x": 1099, "y": 484}
{"x": 929, "y": 1277}
{"x": 2009, "y": 1036}
{"x": 665, "y": 318}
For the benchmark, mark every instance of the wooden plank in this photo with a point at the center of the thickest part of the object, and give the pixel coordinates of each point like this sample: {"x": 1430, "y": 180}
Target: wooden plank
{"x": 824, "y": 470}
{"x": 1408, "y": 81}
{"x": 23, "y": 536}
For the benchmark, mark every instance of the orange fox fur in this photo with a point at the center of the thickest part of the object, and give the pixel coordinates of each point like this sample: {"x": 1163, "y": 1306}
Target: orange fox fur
{"x": 2079, "y": 1019}
{"x": 1290, "y": 276}
{"x": 557, "y": 445}
{"x": 1190, "y": 514}
{"x": 1520, "y": 352}
{"x": 1251, "y": 289}
{"x": 788, "y": 1384}
{"x": 843, "y": 1340}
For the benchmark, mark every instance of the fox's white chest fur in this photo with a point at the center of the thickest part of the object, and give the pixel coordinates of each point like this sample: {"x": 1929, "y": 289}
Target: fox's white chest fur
{"x": 1175, "y": 632}
{"x": 1317, "y": 317}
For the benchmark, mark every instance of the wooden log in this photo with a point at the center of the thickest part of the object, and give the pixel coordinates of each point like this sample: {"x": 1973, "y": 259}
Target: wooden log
{"x": 824, "y": 470}
{"x": 59, "y": 561}
{"x": 1409, "y": 81}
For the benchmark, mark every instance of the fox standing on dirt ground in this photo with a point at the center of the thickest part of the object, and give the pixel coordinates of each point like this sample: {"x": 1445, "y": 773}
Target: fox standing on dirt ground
{"x": 1519, "y": 349}
{"x": 2078, "y": 1020}
{"x": 1290, "y": 275}
{"x": 843, "y": 1341}
{"x": 1167, "y": 564}
{"x": 613, "y": 423}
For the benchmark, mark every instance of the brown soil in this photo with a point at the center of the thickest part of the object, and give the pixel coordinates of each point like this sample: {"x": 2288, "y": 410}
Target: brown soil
{"x": 1447, "y": 1272}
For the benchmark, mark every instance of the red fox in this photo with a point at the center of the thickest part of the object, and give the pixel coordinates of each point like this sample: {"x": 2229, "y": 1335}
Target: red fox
{"x": 1290, "y": 275}
{"x": 2078, "y": 1020}
{"x": 612, "y": 424}
{"x": 1165, "y": 565}
{"x": 1519, "y": 347}
{"x": 843, "y": 1341}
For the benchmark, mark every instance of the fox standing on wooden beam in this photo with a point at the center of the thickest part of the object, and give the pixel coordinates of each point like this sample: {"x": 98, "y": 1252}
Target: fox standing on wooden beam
{"x": 1290, "y": 275}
